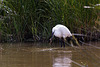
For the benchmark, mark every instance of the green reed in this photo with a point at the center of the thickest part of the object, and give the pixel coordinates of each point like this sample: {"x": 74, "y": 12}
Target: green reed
{"x": 72, "y": 13}
{"x": 36, "y": 18}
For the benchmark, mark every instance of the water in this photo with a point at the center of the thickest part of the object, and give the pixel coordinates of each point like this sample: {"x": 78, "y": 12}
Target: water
{"x": 44, "y": 55}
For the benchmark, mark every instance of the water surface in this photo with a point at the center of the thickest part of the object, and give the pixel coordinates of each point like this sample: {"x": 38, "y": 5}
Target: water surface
{"x": 44, "y": 55}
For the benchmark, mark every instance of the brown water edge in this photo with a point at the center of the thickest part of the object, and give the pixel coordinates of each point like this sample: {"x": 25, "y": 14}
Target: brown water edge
{"x": 42, "y": 55}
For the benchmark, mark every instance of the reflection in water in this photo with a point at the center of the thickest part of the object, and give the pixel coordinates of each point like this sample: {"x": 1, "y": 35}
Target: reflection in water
{"x": 62, "y": 62}
{"x": 62, "y": 59}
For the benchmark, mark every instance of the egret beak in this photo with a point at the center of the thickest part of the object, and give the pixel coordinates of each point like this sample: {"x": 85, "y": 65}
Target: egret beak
{"x": 50, "y": 40}
{"x": 51, "y": 37}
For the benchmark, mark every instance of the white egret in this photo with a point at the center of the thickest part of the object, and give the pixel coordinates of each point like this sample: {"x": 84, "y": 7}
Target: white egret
{"x": 61, "y": 31}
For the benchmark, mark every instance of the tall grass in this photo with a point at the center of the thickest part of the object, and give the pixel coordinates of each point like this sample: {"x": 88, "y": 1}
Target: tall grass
{"x": 25, "y": 19}
{"x": 72, "y": 13}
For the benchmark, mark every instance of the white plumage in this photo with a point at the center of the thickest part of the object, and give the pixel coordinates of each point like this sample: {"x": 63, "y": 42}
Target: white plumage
{"x": 61, "y": 31}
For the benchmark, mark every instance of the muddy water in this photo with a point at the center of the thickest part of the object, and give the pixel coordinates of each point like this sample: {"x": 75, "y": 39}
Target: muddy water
{"x": 42, "y": 55}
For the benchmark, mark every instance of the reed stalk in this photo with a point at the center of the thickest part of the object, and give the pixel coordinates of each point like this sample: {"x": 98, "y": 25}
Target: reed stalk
{"x": 35, "y": 18}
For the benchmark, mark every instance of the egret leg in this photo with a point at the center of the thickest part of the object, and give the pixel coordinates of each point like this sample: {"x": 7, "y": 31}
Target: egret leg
{"x": 61, "y": 42}
{"x": 64, "y": 41}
